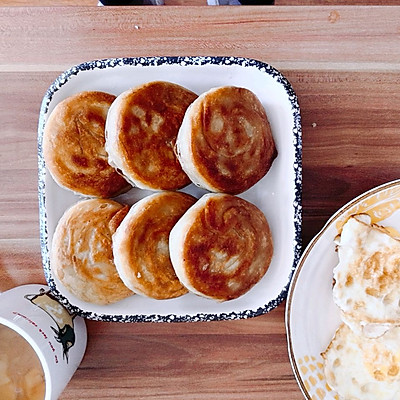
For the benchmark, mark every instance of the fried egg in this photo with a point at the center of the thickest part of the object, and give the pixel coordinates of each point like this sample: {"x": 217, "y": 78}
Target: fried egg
{"x": 367, "y": 277}
{"x": 361, "y": 368}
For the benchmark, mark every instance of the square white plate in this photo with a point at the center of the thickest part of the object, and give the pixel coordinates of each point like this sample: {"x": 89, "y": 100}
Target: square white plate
{"x": 278, "y": 194}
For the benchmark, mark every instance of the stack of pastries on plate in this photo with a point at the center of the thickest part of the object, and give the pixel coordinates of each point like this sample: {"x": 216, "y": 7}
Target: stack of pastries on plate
{"x": 161, "y": 137}
{"x": 362, "y": 362}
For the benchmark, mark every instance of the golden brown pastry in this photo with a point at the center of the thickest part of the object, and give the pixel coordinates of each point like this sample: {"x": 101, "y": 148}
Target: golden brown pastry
{"x": 73, "y": 146}
{"x": 81, "y": 253}
{"x": 141, "y": 130}
{"x": 225, "y": 142}
{"x": 140, "y": 245}
{"x": 221, "y": 247}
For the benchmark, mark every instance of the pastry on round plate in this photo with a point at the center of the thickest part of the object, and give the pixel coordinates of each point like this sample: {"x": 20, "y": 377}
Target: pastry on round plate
{"x": 225, "y": 142}
{"x": 81, "y": 253}
{"x": 140, "y": 245}
{"x": 73, "y": 146}
{"x": 141, "y": 131}
{"x": 221, "y": 247}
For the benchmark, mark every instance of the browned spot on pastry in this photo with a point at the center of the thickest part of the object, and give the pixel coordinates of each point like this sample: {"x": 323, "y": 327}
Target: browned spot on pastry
{"x": 73, "y": 146}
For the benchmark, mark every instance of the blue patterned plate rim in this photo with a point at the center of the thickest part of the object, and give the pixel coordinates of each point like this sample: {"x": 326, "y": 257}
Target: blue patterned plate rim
{"x": 183, "y": 61}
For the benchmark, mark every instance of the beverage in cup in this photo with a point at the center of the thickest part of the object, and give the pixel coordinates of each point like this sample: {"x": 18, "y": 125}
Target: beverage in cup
{"x": 41, "y": 344}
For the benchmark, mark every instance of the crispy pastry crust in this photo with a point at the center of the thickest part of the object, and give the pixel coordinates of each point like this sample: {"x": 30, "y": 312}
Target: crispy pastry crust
{"x": 73, "y": 146}
{"x": 81, "y": 253}
{"x": 225, "y": 142}
{"x": 221, "y": 247}
{"x": 141, "y": 131}
{"x": 141, "y": 250}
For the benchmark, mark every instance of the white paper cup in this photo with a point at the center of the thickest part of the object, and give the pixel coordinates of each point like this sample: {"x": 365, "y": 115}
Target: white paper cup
{"x": 58, "y": 338}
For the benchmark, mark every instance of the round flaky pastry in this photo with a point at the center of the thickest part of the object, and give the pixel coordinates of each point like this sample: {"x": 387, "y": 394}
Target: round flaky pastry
{"x": 225, "y": 142}
{"x": 140, "y": 244}
{"x": 141, "y": 131}
{"x": 73, "y": 146}
{"x": 221, "y": 247}
{"x": 81, "y": 253}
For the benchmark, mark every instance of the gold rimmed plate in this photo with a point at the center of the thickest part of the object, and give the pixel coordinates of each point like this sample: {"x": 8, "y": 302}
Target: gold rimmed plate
{"x": 311, "y": 315}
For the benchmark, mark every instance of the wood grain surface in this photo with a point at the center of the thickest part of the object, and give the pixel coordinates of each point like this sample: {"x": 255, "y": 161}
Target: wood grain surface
{"x": 57, "y": 3}
{"x": 344, "y": 64}
{"x": 80, "y": 3}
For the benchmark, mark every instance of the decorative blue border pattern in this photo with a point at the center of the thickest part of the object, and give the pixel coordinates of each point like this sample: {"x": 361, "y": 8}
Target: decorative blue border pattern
{"x": 183, "y": 61}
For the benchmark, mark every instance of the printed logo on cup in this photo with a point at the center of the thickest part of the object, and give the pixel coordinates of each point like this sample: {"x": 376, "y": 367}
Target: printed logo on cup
{"x": 64, "y": 329}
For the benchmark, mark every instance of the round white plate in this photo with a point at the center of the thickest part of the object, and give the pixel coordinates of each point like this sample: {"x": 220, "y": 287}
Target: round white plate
{"x": 311, "y": 315}
{"x": 278, "y": 194}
